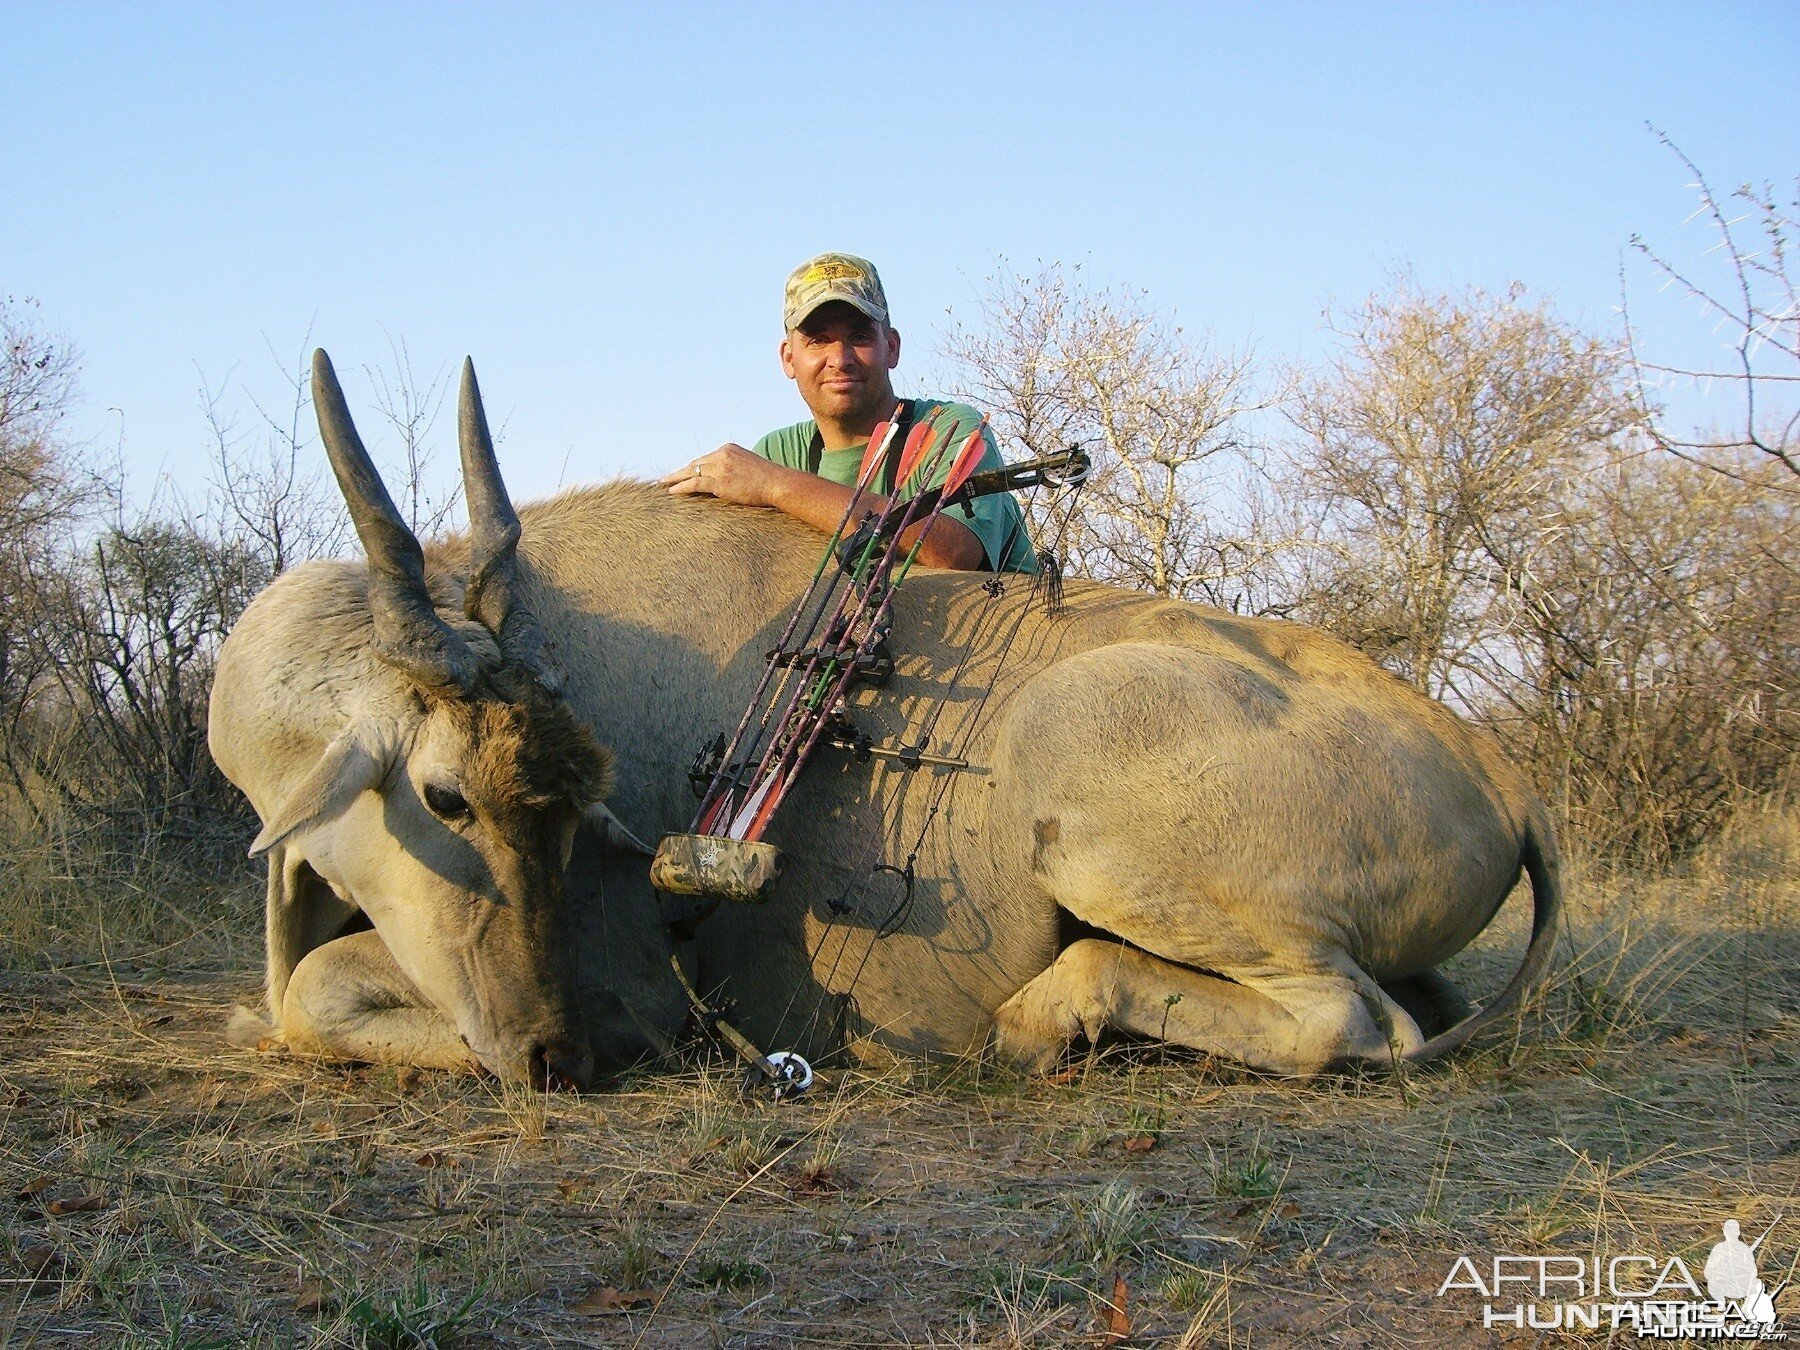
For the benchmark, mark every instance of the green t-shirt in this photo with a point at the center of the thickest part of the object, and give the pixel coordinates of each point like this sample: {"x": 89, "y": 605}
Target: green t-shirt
{"x": 996, "y": 518}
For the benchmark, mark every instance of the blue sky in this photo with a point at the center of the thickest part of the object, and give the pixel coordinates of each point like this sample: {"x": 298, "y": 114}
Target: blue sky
{"x": 600, "y": 203}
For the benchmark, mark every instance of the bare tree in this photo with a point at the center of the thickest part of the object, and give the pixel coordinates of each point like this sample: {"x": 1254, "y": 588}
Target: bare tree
{"x": 37, "y": 385}
{"x": 42, "y": 495}
{"x": 267, "y": 485}
{"x": 1755, "y": 308}
{"x": 154, "y": 599}
{"x": 410, "y": 407}
{"x": 109, "y": 635}
{"x": 1652, "y": 677}
{"x": 39, "y": 483}
{"x": 1162, "y": 411}
{"x": 1431, "y": 449}
{"x": 1489, "y": 518}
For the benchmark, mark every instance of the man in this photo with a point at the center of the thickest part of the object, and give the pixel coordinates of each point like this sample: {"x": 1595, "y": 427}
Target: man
{"x": 1731, "y": 1267}
{"x": 840, "y": 350}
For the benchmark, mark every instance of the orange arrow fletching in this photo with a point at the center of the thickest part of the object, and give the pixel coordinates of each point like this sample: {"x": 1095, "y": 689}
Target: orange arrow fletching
{"x": 920, "y": 441}
{"x": 878, "y": 443}
{"x": 966, "y": 460}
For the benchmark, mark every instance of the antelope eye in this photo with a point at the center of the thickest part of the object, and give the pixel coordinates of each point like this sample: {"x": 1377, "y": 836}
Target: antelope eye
{"x": 446, "y": 802}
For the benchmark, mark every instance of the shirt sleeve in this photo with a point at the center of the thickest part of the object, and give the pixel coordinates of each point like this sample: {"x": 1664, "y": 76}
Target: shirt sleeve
{"x": 995, "y": 519}
{"x": 786, "y": 445}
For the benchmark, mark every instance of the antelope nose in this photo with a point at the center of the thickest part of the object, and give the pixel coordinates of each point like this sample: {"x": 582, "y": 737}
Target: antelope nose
{"x": 561, "y": 1065}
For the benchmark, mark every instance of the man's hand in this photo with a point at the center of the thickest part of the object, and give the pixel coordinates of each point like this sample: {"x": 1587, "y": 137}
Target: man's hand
{"x": 732, "y": 474}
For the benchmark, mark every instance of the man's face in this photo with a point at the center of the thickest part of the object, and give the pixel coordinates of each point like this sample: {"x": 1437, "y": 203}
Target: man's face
{"x": 840, "y": 358}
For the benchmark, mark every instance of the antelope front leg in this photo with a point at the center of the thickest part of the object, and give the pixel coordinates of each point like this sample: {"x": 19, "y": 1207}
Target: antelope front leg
{"x": 347, "y": 1000}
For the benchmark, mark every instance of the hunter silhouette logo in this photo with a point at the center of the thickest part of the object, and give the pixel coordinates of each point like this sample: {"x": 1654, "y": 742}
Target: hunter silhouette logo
{"x": 1657, "y": 1297}
{"x": 1731, "y": 1276}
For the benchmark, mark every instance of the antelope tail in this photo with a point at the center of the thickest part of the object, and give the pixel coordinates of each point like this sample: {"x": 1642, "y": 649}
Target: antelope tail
{"x": 1543, "y": 866}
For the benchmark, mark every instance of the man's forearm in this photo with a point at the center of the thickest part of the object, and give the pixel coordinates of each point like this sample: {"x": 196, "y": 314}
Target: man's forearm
{"x": 821, "y": 503}
{"x": 734, "y": 474}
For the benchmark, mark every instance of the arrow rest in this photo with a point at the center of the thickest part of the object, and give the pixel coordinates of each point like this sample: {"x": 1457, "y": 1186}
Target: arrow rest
{"x": 705, "y": 767}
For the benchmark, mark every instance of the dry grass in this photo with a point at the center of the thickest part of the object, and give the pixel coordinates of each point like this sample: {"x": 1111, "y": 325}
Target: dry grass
{"x": 157, "y": 1189}
{"x": 81, "y": 899}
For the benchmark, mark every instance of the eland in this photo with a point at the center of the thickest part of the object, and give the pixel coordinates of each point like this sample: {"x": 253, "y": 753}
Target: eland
{"x": 1229, "y": 833}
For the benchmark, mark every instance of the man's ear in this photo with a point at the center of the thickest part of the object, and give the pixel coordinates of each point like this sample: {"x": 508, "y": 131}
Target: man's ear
{"x": 347, "y": 769}
{"x": 893, "y": 356}
{"x": 787, "y": 359}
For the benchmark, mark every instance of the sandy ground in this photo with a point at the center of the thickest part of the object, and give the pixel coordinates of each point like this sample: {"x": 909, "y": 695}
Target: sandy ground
{"x": 160, "y": 1189}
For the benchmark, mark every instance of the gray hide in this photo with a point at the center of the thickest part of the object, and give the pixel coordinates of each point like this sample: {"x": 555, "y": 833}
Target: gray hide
{"x": 1239, "y": 834}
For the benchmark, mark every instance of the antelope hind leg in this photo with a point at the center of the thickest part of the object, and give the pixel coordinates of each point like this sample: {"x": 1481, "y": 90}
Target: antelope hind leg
{"x": 347, "y": 1000}
{"x": 1293, "y": 1025}
{"x": 1433, "y": 1001}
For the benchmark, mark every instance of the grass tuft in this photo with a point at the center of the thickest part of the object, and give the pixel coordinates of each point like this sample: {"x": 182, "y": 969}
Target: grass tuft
{"x": 1109, "y": 1224}
{"x": 413, "y": 1318}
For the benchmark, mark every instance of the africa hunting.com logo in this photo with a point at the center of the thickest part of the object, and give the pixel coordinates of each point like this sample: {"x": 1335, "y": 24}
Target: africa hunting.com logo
{"x": 1658, "y": 1299}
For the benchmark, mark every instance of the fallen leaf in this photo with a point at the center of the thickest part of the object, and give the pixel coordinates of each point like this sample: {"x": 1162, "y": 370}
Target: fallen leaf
{"x": 815, "y": 1179}
{"x": 433, "y": 1158}
{"x": 34, "y": 1186}
{"x": 1065, "y": 1077}
{"x": 47, "y": 1268}
{"x": 570, "y": 1187}
{"x": 607, "y": 1299}
{"x": 42, "y": 1261}
{"x": 81, "y": 1204}
{"x": 1289, "y": 1211}
{"x": 1139, "y": 1143}
{"x": 1117, "y": 1320}
{"x": 406, "y": 1078}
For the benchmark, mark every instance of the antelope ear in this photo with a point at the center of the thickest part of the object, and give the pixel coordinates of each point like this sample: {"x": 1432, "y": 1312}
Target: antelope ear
{"x": 346, "y": 770}
{"x": 613, "y": 832}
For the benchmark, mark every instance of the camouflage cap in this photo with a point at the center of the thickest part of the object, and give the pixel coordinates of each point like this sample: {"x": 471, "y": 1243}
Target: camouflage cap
{"x": 833, "y": 276}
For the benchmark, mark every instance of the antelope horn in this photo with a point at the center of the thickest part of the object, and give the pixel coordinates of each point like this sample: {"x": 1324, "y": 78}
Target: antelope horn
{"x": 493, "y": 597}
{"x": 409, "y": 635}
